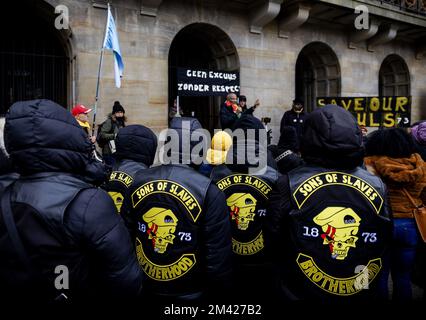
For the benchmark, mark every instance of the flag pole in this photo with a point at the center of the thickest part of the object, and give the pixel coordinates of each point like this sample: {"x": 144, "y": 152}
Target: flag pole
{"x": 177, "y": 107}
{"x": 98, "y": 80}
{"x": 97, "y": 91}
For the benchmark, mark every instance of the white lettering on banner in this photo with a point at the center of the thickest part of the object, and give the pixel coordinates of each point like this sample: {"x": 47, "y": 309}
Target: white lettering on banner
{"x": 206, "y": 88}
{"x": 226, "y": 88}
{"x": 221, "y": 75}
{"x": 192, "y": 82}
{"x": 196, "y": 74}
{"x": 211, "y": 74}
{"x": 193, "y": 87}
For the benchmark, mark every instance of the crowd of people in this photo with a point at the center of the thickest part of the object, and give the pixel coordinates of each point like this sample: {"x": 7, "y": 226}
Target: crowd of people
{"x": 330, "y": 216}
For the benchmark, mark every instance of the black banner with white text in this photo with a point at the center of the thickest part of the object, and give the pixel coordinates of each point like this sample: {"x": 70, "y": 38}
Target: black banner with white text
{"x": 196, "y": 82}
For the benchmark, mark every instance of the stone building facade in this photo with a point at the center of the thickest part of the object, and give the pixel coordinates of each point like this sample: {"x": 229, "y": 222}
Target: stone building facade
{"x": 282, "y": 48}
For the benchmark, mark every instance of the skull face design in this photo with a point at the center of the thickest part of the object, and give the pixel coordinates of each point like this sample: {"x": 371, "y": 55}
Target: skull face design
{"x": 117, "y": 197}
{"x": 340, "y": 226}
{"x": 242, "y": 206}
{"x": 161, "y": 227}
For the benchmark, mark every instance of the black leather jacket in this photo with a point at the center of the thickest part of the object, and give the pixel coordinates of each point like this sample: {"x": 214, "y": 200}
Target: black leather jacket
{"x": 330, "y": 232}
{"x": 61, "y": 219}
{"x": 181, "y": 229}
{"x": 247, "y": 198}
{"x": 120, "y": 180}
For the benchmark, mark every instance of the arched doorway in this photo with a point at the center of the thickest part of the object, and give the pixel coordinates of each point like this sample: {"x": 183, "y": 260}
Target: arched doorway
{"x": 317, "y": 74}
{"x": 394, "y": 77}
{"x": 201, "y": 46}
{"x": 33, "y": 59}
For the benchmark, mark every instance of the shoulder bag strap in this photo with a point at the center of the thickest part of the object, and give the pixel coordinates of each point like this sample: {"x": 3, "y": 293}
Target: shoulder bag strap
{"x": 411, "y": 199}
{"x": 9, "y": 221}
{"x": 12, "y": 231}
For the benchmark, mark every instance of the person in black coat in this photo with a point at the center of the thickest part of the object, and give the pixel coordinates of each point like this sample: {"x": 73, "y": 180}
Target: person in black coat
{"x": 317, "y": 234}
{"x": 242, "y": 101}
{"x": 295, "y": 118}
{"x": 180, "y": 224}
{"x": 247, "y": 179}
{"x": 254, "y": 130}
{"x": 135, "y": 150}
{"x": 229, "y": 111}
{"x": 61, "y": 219}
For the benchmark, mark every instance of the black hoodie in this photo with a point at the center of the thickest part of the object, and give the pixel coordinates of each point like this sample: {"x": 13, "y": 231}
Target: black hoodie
{"x": 332, "y": 139}
{"x": 208, "y": 236}
{"x": 61, "y": 219}
{"x": 285, "y": 153}
{"x": 185, "y": 127}
{"x": 255, "y": 139}
{"x": 333, "y": 148}
{"x": 135, "y": 150}
{"x": 137, "y": 143}
{"x": 41, "y": 137}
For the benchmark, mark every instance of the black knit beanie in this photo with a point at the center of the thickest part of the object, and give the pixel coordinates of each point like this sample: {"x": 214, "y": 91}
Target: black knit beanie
{"x": 117, "y": 107}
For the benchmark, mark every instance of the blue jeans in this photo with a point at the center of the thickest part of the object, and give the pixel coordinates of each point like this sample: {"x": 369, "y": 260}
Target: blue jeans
{"x": 403, "y": 253}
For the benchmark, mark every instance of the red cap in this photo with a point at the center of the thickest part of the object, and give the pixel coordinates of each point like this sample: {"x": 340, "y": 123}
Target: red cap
{"x": 78, "y": 109}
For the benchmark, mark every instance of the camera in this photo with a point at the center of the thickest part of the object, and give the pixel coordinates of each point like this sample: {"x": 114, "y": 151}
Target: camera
{"x": 266, "y": 120}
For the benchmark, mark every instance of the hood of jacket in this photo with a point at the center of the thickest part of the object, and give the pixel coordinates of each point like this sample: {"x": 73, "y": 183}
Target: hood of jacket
{"x": 252, "y": 127}
{"x": 249, "y": 154}
{"x": 332, "y": 139}
{"x": 136, "y": 142}
{"x": 248, "y": 121}
{"x": 42, "y": 136}
{"x": 400, "y": 170}
{"x": 181, "y": 130}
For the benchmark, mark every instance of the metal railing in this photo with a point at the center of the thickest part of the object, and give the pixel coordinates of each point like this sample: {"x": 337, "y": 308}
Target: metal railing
{"x": 414, "y": 6}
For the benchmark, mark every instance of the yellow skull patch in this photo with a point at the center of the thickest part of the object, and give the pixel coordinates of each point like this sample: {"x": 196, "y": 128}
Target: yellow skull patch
{"x": 242, "y": 207}
{"x": 117, "y": 197}
{"x": 161, "y": 227}
{"x": 340, "y": 226}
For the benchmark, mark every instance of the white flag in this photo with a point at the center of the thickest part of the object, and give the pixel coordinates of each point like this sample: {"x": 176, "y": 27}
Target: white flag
{"x": 111, "y": 43}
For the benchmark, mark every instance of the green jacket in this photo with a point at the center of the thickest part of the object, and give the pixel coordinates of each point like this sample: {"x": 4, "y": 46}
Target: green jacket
{"x": 109, "y": 130}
